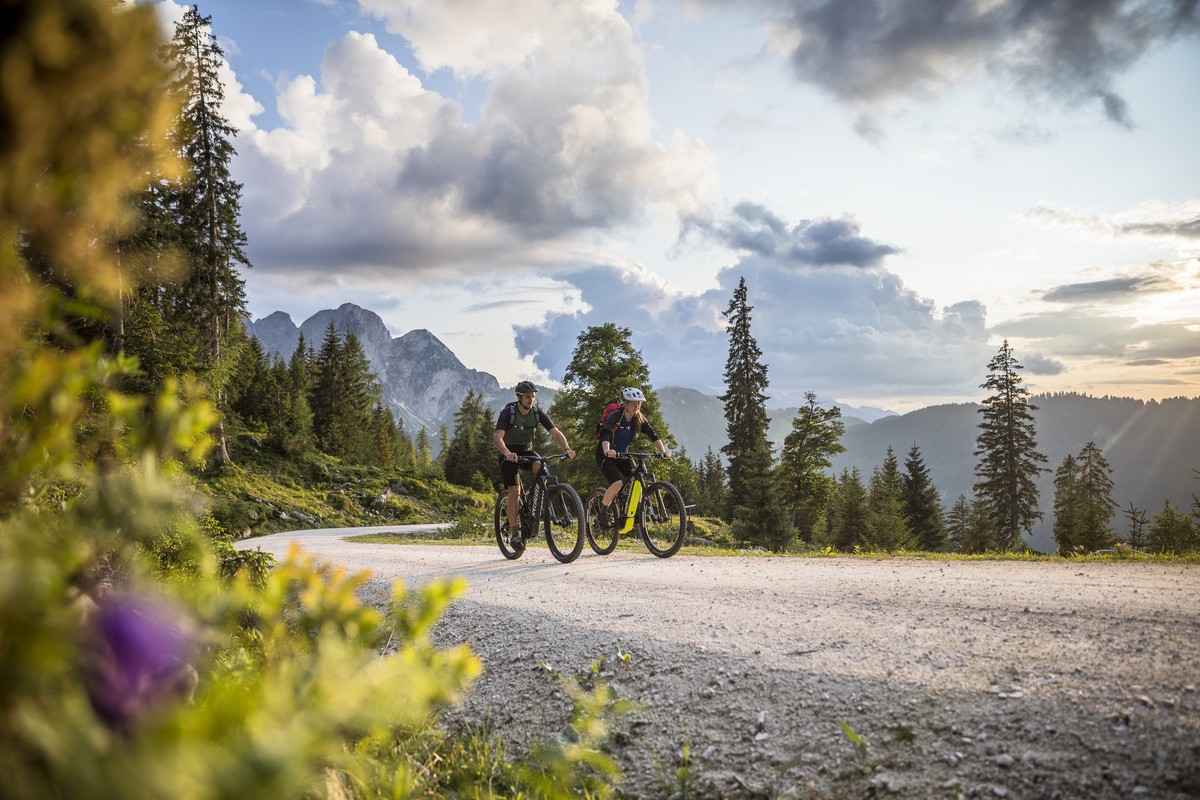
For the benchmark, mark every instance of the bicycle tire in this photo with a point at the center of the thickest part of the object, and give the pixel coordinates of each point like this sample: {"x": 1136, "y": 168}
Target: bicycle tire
{"x": 602, "y": 540}
{"x": 662, "y": 519}
{"x": 564, "y": 522}
{"x": 499, "y": 519}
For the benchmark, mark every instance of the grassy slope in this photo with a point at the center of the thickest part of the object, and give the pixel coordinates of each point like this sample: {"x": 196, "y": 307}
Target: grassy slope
{"x": 264, "y": 492}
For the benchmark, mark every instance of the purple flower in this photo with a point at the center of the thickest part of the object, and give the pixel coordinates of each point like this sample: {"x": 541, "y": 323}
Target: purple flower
{"x": 140, "y": 659}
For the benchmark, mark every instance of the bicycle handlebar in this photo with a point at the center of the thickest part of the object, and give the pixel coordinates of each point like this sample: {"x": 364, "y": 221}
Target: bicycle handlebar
{"x": 543, "y": 459}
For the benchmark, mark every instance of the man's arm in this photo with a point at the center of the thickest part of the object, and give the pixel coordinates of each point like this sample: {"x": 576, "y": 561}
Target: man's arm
{"x": 498, "y": 440}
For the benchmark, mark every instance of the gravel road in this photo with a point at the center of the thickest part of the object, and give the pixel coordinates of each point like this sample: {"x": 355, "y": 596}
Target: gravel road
{"x": 965, "y": 679}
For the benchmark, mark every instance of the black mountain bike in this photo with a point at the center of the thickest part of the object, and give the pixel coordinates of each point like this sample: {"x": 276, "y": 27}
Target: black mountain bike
{"x": 545, "y": 501}
{"x": 652, "y": 508}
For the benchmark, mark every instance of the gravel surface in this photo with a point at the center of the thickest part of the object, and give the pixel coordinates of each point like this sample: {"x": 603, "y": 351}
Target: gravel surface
{"x": 965, "y": 679}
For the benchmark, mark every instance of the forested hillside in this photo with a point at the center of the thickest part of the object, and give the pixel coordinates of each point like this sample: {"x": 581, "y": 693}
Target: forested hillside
{"x": 1153, "y": 447}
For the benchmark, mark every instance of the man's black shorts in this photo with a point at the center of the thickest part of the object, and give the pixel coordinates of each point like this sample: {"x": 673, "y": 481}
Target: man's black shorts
{"x": 508, "y": 469}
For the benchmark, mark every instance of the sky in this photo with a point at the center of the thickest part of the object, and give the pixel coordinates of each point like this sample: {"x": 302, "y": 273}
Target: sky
{"x": 902, "y": 184}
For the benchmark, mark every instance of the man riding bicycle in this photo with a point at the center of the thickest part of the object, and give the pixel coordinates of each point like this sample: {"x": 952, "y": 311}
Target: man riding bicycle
{"x": 513, "y": 437}
{"x": 616, "y": 434}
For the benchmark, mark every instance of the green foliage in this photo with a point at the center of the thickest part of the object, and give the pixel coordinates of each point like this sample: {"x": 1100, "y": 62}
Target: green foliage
{"x": 1083, "y": 504}
{"x": 265, "y": 492}
{"x": 887, "y": 528}
{"x": 922, "y": 504}
{"x": 1172, "y": 531}
{"x": 710, "y": 475}
{"x": 807, "y": 452}
{"x": 860, "y": 744}
{"x": 603, "y": 363}
{"x": 848, "y": 520}
{"x": 755, "y": 502}
{"x": 474, "y": 523}
{"x": 745, "y": 405}
{"x": 471, "y": 456}
{"x": 1007, "y": 445}
{"x": 577, "y": 763}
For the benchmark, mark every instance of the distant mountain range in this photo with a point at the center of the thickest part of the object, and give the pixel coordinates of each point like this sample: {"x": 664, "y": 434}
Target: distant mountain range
{"x": 1153, "y": 447}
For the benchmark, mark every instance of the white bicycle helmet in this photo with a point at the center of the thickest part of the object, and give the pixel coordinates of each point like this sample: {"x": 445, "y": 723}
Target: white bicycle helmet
{"x": 632, "y": 393}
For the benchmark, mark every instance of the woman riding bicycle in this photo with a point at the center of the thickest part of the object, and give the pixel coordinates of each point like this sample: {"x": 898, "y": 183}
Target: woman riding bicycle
{"x": 619, "y": 429}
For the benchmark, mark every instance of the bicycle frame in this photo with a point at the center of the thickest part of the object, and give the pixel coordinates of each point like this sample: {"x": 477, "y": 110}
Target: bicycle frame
{"x": 526, "y": 508}
{"x": 546, "y": 505}
{"x": 634, "y": 489}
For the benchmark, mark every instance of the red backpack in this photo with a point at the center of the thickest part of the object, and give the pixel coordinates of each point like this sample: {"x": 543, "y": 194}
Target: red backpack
{"x": 611, "y": 407}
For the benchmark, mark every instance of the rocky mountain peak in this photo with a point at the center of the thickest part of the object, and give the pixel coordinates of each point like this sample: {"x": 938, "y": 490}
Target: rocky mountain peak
{"x": 423, "y": 382}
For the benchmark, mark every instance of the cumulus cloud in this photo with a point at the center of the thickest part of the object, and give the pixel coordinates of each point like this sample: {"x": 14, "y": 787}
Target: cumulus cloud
{"x": 868, "y": 53}
{"x": 372, "y": 173}
{"x": 837, "y": 325}
{"x": 755, "y": 229}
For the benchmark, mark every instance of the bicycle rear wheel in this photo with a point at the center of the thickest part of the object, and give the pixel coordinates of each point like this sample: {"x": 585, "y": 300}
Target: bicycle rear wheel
{"x": 663, "y": 519}
{"x": 564, "y": 522}
{"x": 602, "y": 540}
{"x": 503, "y": 538}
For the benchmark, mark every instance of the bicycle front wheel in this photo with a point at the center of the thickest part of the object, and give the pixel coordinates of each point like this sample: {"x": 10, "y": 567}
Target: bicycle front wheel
{"x": 564, "y": 522}
{"x": 503, "y": 536}
{"x": 602, "y": 540}
{"x": 663, "y": 519}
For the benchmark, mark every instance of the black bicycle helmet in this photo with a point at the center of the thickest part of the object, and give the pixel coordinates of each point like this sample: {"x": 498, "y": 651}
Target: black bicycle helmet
{"x": 526, "y": 387}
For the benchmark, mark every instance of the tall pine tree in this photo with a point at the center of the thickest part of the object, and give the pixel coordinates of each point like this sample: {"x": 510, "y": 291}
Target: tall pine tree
{"x": 208, "y": 207}
{"x": 755, "y": 506}
{"x": 1007, "y": 446}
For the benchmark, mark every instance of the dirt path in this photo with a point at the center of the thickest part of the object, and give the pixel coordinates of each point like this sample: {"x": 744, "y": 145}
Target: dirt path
{"x": 966, "y": 679}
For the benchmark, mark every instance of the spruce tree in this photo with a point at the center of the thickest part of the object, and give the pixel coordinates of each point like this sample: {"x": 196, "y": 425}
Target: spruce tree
{"x": 1067, "y": 514}
{"x": 1095, "y": 497}
{"x": 383, "y": 437}
{"x": 323, "y": 390}
{"x": 464, "y": 463}
{"x": 208, "y": 207}
{"x": 807, "y": 455}
{"x": 422, "y": 455}
{"x": 958, "y": 525}
{"x": 848, "y": 523}
{"x": 922, "y": 504}
{"x": 982, "y": 535}
{"x": 1007, "y": 445}
{"x": 755, "y": 502}
{"x": 886, "y": 527}
{"x": 357, "y": 394}
{"x": 711, "y": 498}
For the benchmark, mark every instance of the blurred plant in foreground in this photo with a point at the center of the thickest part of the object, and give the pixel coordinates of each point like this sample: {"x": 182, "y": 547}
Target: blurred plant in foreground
{"x": 122, "y": 676}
